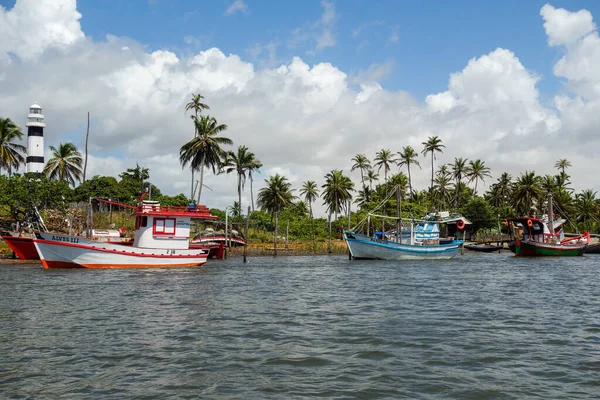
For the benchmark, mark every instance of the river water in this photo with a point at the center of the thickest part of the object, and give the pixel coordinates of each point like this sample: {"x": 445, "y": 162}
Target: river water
{"x": 481, "y": 326}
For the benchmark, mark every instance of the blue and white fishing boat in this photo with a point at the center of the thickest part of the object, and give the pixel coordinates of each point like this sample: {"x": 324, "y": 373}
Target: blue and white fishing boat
{"x": 412, "y": 240}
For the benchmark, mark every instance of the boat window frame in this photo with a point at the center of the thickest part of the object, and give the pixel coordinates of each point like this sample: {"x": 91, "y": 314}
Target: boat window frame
{"x": 156, "y": 230}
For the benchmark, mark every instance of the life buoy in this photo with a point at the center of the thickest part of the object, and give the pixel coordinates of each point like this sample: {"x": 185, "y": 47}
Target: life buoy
{"x": 529, "y": 223}
{"x": 460, "y": 224}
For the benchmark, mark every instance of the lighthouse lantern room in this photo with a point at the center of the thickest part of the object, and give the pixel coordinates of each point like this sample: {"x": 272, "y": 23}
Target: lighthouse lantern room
{"x": 35, "y": 139}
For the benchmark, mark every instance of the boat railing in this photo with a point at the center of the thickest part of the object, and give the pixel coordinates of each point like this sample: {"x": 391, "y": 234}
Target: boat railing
{"x": 199, "y": 211}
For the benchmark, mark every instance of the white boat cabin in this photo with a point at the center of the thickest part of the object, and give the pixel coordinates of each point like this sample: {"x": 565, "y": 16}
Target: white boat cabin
{"x": 165, "y": 227}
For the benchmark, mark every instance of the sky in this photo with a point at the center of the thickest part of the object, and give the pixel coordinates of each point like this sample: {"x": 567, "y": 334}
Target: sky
{"x": 308, "y": 85}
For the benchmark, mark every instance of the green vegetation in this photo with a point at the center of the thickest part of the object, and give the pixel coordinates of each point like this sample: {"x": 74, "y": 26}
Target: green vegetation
{"x": 453, "y": 187}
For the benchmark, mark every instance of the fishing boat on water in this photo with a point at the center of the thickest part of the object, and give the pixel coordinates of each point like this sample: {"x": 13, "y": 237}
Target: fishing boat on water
{"x": 412, "y": 240}
{"x": 161, "y": 239}
{"x": 544, "y": 236}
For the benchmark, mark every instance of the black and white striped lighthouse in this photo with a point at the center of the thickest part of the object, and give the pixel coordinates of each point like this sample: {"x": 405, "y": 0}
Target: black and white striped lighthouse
{"x": 35, "y": 139}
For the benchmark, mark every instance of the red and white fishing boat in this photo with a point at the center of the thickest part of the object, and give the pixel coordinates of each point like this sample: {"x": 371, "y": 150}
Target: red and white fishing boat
{"x": 162, "y": 235}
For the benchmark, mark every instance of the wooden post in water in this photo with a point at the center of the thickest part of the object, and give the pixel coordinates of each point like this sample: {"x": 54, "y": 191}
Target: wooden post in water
{"x": 329, "y": 243}
{"x": 398, "y": 217}
{"x": 246, "y": 234}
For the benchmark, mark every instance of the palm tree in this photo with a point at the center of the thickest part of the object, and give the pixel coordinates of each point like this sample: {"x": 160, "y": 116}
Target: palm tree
{"x": 65, "y": 164}
{"x": 384, "y": 160}
{"x": 362, "y": 163}
{"x": 500, "y": 192}
{"x": 476, "y": 171}
{"x": 527, "y": 192}
{"x": 562, "y": 164}
{"x": 204, "y": 150}
{"x": 432, "y": 145}
{"x": 371, "y": 177}
{"x": 10, "y": 153}
{"x": 459, "y": 169}
{"x": 196, "y": 105}
{"x": 442, "y": 189}
{"x": 336, "y": 191}
{"x": 586, "y": 207}
{"x": 276, "y": 195}
{"x": 241, "y": 162}
{"x": 310, "y": 192}
{"x": 254, "y": 165}
{"x": 408, "y": 156}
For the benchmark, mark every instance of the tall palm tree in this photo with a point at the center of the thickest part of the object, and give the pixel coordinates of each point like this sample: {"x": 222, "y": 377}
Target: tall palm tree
{"x": 500, "y": 192}
{"x": 310, "y": 192}
{"x": 384, "y": 159}
{"x": 65, "y": 164}
{"x": 336, "y": 191}
{"x": 204, "y": 150}
{"x": 476, "y": 171}
{"x": 459, "y": 169}
{"x": 586, "y": 206}
{"x": 362, "y": 163}
{"x": 276, "y": 195}
{"x": 10, "y": 152}
{"x": 432, "y": 145}
{"x": 254, "y": 166}
{"x": 241, "y": 163}
{"x": 527, "y": 192}
{"x": 371, "y": 177}
{"x": 562, "y": 164}
{"x": 442, "y": 189}
{"x": 408, "y": 156}
{"x": 197, "y": 105}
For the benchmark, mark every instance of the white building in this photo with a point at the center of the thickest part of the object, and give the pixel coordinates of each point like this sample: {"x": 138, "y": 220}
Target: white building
{"x": 35, "y": 139}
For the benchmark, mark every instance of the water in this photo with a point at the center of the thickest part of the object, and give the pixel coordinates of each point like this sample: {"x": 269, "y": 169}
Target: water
{"x": 480, "y": 326}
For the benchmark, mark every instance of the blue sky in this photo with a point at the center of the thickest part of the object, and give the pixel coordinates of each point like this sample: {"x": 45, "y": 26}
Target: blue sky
{"x": 435, "y": 38}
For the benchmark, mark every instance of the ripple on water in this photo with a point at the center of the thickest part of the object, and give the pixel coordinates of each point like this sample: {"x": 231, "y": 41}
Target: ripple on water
{"x": 478, "y": 326}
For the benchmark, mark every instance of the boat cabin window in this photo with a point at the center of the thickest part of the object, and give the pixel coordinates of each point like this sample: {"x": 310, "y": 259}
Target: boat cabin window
{"x": 164, "y": 226}
{"x": 141, "y": 222}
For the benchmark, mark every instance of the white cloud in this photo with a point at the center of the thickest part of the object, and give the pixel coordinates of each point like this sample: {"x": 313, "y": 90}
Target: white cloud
{"x": 33, "y": 26}
{"x": 237, "y": 6}
{"x": 564, "y": 27}
{"x": 301, "y": 120}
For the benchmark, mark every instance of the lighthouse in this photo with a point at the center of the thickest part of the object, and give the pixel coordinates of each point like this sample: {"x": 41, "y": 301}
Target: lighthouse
{"x": 35, "y": 139}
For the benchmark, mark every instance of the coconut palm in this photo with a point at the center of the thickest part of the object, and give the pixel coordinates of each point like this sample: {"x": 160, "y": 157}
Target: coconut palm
{"x": 362, "y": 163}
{"x": 239, "y": 162}
{"x": 10, "y": 152}
{"x": 476, "y": 171}
{"x": 562, "y": 164}
{"x": 401, "y": 180}
{"x": 562, "y": 181}
{"x": 586, "y": 207}
{"x": 384, "y": 159}
{"x": 500, "y": 192}
{"x": 310, "y": 192}
{"x": 276, "y": 195}
{"x": 442, "y": 190}
{"x": 254, "y": 166}
{"x": 196, "y": 105}
{"x": 459, "y": 169}
{"x": 204, "y": 150}
{"x": 336, "y": 191}
{"x": 432, "y": 145}
{"x": 65, "y": 164}
{"x": 527, "y": 192}
{"x": 408, "y": 156}
{"x": 371, "y": 177}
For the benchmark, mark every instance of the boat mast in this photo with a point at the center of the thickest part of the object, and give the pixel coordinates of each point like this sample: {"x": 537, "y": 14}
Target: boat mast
{"x": 398, "y": 218}
{"x": 550, "y": 216}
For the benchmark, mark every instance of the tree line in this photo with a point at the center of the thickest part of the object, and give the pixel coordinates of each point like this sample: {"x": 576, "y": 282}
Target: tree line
{"x": 453, "y": 186}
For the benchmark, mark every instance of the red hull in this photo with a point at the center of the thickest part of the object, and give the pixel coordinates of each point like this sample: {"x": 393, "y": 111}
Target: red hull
{"x": 23, "y": 247}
